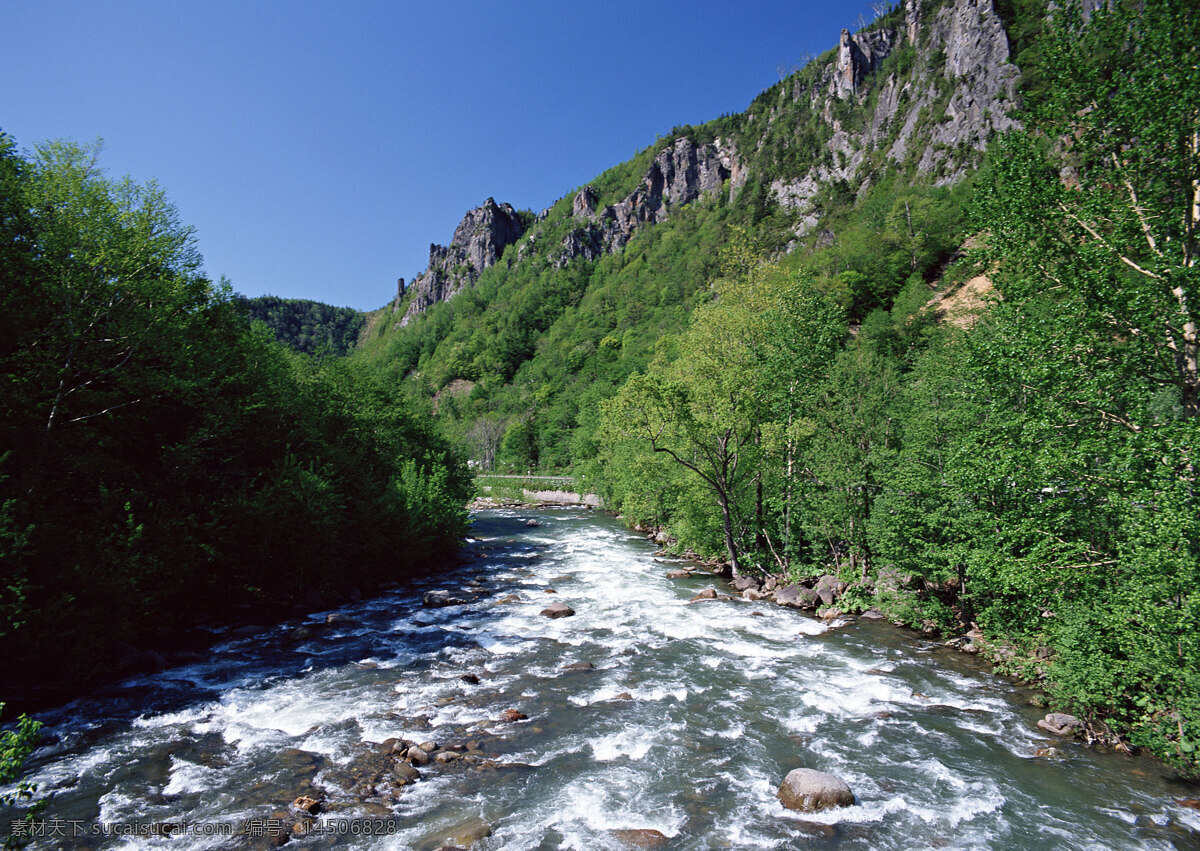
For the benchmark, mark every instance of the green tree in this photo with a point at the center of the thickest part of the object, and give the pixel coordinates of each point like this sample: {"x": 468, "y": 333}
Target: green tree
{"x": 1087, "y": 451}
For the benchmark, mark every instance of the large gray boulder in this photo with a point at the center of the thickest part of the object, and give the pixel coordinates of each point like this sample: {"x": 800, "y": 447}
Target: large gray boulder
{"x": 796, "y": 596}
{"x": 438, "y": 599}
{"x": 1060, "y": 724}
{"x": 829, "y": 588}
{"x": 809, "y": 791}
{"x": 557, "y": 609}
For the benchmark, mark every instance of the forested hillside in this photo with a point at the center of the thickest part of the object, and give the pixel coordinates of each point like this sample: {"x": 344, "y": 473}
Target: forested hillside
{"x": 307, "y": 326}
{"x": 162, "y": 460}
{"x": 923, "y": 316}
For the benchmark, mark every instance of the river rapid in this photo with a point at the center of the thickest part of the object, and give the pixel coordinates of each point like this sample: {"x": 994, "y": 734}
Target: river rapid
{"x": 677, "y": 737}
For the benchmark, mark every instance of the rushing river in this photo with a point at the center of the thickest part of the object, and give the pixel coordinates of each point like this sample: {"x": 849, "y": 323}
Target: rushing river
{"x": 683, "y": 729}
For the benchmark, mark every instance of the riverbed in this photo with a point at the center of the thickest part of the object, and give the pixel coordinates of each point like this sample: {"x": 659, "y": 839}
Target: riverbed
{"x": 644, "y": 720}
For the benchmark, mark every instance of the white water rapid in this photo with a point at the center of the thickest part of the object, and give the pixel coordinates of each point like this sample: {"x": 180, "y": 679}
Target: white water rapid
{"x": 677, "y": 737}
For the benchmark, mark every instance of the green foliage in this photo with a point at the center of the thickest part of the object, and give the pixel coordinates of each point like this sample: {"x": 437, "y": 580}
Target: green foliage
{"x": 167, "y": 460}
{"x": 307, "y": 326}
{"x": 15, "y": 747}
{"x": 1033, "y": 474}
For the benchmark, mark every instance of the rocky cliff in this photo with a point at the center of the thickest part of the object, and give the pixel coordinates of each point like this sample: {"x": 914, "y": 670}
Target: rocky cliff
{"x": 920, "y": 92}
{"x": 478, "y": 242}
{"x": 938, "y": 105}
{"x": 679, "y": 175}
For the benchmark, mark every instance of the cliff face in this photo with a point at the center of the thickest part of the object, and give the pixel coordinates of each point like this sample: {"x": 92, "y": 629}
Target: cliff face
{"x": 679, "y": 175}
{"x": 959, "y": 90}
{"x": 478, "y": 242}
{"x": 921, "y": 93}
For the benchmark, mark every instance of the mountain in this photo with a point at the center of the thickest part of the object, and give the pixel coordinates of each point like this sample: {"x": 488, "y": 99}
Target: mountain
{"x": 571, "y": 301}
{"x": 915, "y": 334}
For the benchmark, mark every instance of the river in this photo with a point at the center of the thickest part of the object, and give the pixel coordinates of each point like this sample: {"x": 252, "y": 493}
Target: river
{"x": 678, "y": 735}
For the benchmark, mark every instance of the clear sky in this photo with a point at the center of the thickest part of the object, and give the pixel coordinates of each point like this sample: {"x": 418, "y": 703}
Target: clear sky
{"x": 319, "y": 147}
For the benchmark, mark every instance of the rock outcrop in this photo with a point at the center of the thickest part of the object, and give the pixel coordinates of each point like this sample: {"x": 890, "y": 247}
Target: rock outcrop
{"x": 679, "y": 175}
{"x": 859, "y": 55}
{"x": 961, "y": 90}
{"x": 478, "y": 242}
{"x": 951, "y": 87}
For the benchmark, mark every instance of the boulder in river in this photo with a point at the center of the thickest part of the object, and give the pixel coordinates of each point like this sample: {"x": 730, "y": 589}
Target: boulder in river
{"x": 440, "y": 598}
{"x": 130, "y": 660}
{"x": 810, "y": 791}
{"x": 1060, "y": 724}
{"x": 405, "y": 773}
{"x": 558, "y": 609}
{"x": 307, "y": 805}
{"x": 678, "y": 574}
{"x": 641, "y": 838}
{"x": 743, "y": 583}
{"x": 512, "y": 715}
{"x": 706, "y": 594}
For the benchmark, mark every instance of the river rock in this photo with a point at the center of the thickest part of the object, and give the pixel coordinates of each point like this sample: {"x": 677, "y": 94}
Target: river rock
{"x": 469, "y": 832}
{"x": 829, "y": 588}
{"x": 641, "y": 838}
{"x": 470, "y": 679}
{"x": 753, "y": 595}
{"x": 706, "y": 594}
{"x": 307, "y": 805}
{"x": 509, "y": 598}
{"x": 578, "y": 666}
{"x": 405, "y": 773}
{"x": 558, "y": 609}
{"x": 678, "y": 574}
{"x": 743, "y": 583}
{"x": 796, "y": 596}
{"x": 512, "y": 715}
{"x": 340, "y": 619}
{"x": 248, "y": 631}
{"x": 439, "y": 598}
{"x": 809, "y": 791}
{"x": 130, "y": 660}
{"x": 532, "y": 524}
{"x": 417, "y": 756}
{"x": 1060, "y": 724}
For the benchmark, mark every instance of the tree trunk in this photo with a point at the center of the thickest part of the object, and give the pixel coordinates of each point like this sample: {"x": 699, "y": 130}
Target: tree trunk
{"x": 727, "y": 528}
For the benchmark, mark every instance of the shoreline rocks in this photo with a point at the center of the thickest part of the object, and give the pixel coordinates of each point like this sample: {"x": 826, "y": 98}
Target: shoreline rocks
{"x": 1061, "y": 724}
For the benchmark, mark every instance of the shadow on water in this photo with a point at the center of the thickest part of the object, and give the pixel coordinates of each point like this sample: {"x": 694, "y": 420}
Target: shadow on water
{"x": 330, "y": 639}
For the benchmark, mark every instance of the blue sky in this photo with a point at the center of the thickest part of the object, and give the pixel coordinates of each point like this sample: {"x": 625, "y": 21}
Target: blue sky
{"x": 319, "y": 147}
